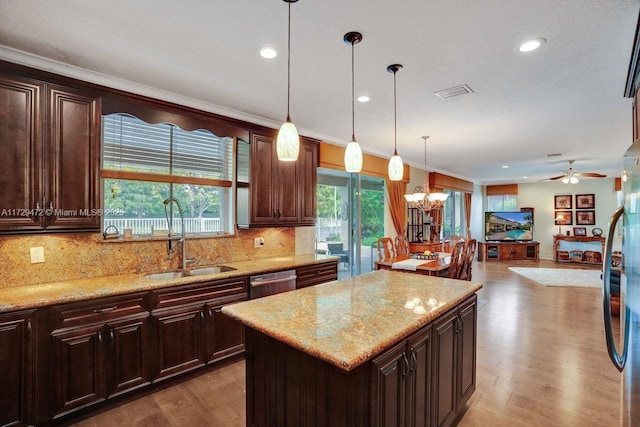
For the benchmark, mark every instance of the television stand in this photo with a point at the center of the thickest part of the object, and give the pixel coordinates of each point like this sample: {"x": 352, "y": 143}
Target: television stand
{"x": 508, "y": 251}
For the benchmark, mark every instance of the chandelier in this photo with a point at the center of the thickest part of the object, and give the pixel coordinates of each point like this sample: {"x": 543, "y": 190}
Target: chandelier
{"x": 422, "y": 198}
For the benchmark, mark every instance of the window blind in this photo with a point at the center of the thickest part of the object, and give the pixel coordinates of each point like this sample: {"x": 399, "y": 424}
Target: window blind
{"x": 130, "y": 145}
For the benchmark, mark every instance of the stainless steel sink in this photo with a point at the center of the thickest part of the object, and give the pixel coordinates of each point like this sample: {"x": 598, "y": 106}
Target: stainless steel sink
{"x": 168, "y": 275}
{"x": 210, "y": 270}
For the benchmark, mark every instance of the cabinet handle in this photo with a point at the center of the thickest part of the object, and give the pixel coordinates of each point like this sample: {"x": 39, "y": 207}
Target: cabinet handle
{"x": 112, "y": 337}
{"x": 414, "y": 359}
{"x": 28, "y": 329}
{"x": 405, "y": 364}
{"x": 104, "y": 310}
{"x": 100, "y": 337}
{"x": 218, "y": 310}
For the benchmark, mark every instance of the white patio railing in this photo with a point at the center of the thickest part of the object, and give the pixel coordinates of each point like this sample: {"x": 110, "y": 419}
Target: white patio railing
{"x": 146, "y": 225}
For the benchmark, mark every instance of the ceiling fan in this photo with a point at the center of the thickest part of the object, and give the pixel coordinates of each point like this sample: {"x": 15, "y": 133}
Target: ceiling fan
{"x": 572, "y": 177}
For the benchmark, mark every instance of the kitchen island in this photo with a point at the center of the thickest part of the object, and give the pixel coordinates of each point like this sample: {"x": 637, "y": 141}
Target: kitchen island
{"x": 384, "y": 348}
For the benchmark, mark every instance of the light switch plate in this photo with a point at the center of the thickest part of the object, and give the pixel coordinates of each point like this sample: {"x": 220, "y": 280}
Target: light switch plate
{"x": 37, "y": 255}
{"x": 258, "y": 242}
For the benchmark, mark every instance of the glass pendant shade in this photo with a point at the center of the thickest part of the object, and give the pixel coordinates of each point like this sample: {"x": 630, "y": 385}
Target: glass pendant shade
{"x": 288, "y": 142}
{"x": 396, "y": 168}
{"x": 353, "y": 157}
{"x": 437, "y": 197}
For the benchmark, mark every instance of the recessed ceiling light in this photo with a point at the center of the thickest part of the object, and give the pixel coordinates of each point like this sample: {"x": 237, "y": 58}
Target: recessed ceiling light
{"x": 525, "y": 177}
{"x": 531, "y": 45}
{"x": 268, "y": 52}
{"x": 363, "y": 98}
{"x": 505, "y": 167}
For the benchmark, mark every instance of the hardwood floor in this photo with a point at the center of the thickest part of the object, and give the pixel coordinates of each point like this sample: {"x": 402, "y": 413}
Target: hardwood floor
{"x": 541, "y": 361}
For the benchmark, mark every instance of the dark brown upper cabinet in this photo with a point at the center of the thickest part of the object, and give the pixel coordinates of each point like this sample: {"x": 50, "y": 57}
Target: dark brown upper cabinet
{"x": 278, "y": 193}
{"x": 49, "y": 157}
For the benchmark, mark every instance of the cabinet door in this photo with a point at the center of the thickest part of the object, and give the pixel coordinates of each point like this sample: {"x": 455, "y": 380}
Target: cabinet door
{"x": 77, "y": 374}
{"x": 128, "y": 355}
{"x": 16, "y": 367}
{"x": 179, "y": 337}
{"x": 308, "y": 165}
{"x": 444, "y": 369}
{"x": 466, "y": 353}
{"x": 225, "y": 336}
{"x": 72, "y": 158}
{"x": 263, "y": 176}
{"x": 20, "y": 154}
{"x": 390, "y": 387}
{"x": 419, "y": 394}
{"x": 287, "y": 186}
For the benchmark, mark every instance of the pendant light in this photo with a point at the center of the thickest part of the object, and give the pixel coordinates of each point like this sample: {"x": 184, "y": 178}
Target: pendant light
{"x": 288, "y": 142}
{"x": 396, "y": 168}
{"x": 422, "y": 198}
{"x": 353, "y": 152}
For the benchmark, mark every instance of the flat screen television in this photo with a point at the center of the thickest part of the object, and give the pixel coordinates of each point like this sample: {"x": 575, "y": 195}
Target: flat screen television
{"x": 508, "y": 226}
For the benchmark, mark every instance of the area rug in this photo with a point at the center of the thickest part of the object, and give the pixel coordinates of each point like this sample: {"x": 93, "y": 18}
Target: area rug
{"x": 561, "y": 276}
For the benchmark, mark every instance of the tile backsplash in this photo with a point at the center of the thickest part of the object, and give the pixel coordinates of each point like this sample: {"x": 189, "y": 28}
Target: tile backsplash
{"x": 75, "y": 256}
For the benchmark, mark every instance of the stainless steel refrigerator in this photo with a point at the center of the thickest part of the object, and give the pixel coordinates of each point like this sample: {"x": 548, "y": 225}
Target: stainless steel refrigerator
{"x": 625, "y": 351}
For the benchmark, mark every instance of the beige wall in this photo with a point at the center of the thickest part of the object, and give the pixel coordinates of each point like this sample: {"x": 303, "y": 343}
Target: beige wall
{"x": 540, "y": 196}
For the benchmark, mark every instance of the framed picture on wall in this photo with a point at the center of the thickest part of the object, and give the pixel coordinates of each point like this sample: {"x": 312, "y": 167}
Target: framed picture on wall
{"x": 563, "y": 217}
{"x": 562, "y": 202}
{"x": 585, "y": 201}
{"x": 586, "y": 218}
{"x": 579, "y": 231}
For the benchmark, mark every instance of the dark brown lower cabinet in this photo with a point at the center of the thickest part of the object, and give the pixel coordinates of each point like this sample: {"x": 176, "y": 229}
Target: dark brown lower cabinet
{"x": 454, "y": 361}
{"x": 403, "y": 383}
{"x": 189, "y": 330}
{"x": 99, "y": 349}
{"x": 315, "y": 274}
{"x": 17, "y": 346}
{"x": 225, "y": 336}
{"x": 423, "y": 380}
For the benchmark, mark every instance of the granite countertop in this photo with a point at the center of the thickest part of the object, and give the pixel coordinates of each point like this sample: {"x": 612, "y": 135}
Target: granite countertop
{"x": 346, "y": 322}
{"x": 31, "y": 296}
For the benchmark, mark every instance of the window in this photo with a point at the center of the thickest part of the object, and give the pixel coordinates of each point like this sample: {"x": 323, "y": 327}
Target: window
{"x": 144, "y": 164}
{"x": 502, "y": 202}
{"x": 453, "y": 221}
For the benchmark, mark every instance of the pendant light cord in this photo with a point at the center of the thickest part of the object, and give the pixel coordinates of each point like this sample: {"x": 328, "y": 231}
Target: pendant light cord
{"x": 395, "y": 117}
{"x": 289, "y": 64}
{"x": 353, "y": 94}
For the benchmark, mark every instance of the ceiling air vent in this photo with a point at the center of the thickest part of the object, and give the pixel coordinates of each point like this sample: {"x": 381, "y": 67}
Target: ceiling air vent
{"x": 453, "y": 91}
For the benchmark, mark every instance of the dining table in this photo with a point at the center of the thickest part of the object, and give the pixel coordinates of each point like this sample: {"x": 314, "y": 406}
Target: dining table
{"x": 407, "y": 263}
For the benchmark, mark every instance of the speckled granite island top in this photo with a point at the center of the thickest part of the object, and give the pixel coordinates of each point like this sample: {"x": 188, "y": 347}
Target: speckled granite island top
{"x": 16, "y": 297}
{"x": 348, "y": 321}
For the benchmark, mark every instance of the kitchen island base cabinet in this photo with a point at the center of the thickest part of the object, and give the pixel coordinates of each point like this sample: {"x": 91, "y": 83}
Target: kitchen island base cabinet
{"x": 401, "y": 386}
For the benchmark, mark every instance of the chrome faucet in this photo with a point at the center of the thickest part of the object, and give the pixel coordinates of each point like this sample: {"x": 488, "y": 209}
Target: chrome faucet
{"x": 183, "y": 237}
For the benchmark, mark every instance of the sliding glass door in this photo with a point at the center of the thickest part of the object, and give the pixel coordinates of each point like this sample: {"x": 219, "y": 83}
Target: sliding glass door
{"x": 350, "y": 219}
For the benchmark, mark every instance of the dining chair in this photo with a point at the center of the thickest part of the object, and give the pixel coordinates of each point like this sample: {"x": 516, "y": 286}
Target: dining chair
{"x": 456, "y": 264}
{"x": 452, "y": 239}
{"x": 401, "y": 245}
{"x": 386, "y": 248}
{"x": 467, "y": 260}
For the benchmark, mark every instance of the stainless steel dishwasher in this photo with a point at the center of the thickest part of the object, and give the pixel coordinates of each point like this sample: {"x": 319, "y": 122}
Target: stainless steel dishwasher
{"x": 272, "y": 283}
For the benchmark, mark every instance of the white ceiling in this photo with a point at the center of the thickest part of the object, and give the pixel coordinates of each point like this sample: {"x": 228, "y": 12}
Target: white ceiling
{"x": 566, "y": 97}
